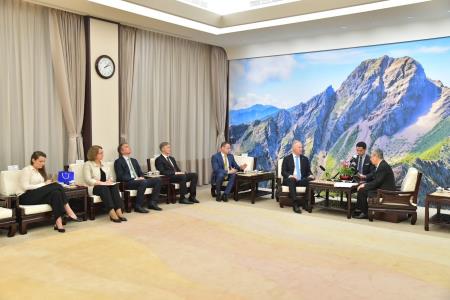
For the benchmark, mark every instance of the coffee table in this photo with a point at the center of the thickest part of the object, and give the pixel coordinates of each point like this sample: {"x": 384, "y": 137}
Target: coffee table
{"x": 252, "y": 179}
{"x": 341, "y": 187}
{"x": 438, "y": 199}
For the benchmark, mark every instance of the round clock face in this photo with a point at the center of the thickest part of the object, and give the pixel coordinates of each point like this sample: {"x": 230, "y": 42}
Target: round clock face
{"x": 104, "y": 65}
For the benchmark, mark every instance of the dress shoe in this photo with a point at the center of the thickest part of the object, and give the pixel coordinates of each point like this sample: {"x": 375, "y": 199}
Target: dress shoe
{"x": 61, "y": 230}
{"x": 141, "y": 210}
{"x": 218, "y": 197}
{"x": 356, "y": 213}
{"x": 193, "y": 200}
{"x": 154, "y": 206}
{"x": 115, "y": 220}
{"x": 297, "y": 209}
{"x": 225, "y": 198}
{"x": 123, "y": 219}
{"x": 76, "y": 219}
{"x": 185, "y": 201}
{"x": 361, "y": 216}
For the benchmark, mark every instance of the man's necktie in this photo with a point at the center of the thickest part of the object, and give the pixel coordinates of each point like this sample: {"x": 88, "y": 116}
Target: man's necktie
{"x": 297, "y": 168}
{"x": 170, "y": 163}
{"x": 225, "y": 163}
{"x": 360, "y": 164}
{"x": 132, "y": 171}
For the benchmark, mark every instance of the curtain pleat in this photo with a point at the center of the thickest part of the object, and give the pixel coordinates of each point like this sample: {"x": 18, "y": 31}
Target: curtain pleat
{"x": 30, "y": 113}
{"x": 219, "y": 74}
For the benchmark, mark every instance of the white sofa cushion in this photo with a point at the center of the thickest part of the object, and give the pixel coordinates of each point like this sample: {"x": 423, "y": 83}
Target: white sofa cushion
{"x": 96, "y": 199}
{"x": 5, "y": 213}
{"x": 133, "y": 193}
{"x": 279, "y": 164}
{"x": 153, "y": 165}
{"x": 250, "y": 161}
{"x": 410, "y": 180}
{"x": 188, "y": 184}
{"x": 9, "y": 182}
{"x": 35, "y": 209}
{"x": 77, "y": 169}
{"x": 299, "y": 189}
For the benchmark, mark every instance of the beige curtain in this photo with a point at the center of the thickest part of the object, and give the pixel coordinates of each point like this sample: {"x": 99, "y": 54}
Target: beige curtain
{"x": 219, "y": 75}
{"x": 171, "y": 101}
{"x": 68, "y": 49}
{"x": 30, "y": 114}
{"x": 127, "y": 45}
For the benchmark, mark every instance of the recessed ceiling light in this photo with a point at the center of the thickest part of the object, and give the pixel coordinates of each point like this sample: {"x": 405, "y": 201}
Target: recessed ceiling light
{"x": 169, "y": 18}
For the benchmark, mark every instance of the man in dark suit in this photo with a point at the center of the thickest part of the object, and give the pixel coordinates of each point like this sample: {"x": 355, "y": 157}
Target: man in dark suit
{"x": 129, "y": 172}
{"x": 224, "y": 167}
{"x": 361, "y": 164}
{"x": 383, "y": 178}
{"x": 296, "y": 171}
{"x": 167, "y": 166}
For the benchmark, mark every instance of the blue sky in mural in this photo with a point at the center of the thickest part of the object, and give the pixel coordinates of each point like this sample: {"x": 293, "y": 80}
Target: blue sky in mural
{"x": 287, "y": 80}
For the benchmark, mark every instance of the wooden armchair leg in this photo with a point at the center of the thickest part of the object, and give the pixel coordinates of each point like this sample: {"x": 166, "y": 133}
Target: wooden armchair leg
{"x": 91, "y": 212}
{"x": 370, "y": 216}
{"x": 23, "y": 228}
{"x": 12, "y": 230}
{"x": 414, "y": 218}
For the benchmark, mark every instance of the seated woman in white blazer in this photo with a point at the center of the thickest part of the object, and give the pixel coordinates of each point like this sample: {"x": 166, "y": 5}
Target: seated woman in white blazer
{"x": 100, "y": 184}
{"x": 35, "y": 188}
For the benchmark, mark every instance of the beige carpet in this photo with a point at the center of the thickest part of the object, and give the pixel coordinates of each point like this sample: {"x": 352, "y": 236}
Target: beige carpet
{"x": 229, "y": 250}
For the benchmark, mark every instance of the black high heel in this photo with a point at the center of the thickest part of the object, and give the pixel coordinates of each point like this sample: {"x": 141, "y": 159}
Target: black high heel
{"x": 61, "y": 230}
{"x": 123, "y": 219}
{"x": 76, "y": 220}
{"x": 115, "y": 220}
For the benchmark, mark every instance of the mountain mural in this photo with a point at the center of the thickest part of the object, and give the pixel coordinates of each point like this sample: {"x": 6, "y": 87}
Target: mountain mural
{"x": 387, "y": 102}
{"x": 250, "y": 114}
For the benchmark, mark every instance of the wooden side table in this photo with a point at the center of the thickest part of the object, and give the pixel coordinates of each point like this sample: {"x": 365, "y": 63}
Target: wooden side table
{"x": 330, "y": 186}
{"x": 78, "y": 193}
{"x": 438, "y": 199}
{"x": 253, "y": 179}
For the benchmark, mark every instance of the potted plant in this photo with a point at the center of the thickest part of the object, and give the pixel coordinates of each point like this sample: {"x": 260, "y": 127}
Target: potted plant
{"x": 345, "y": 172}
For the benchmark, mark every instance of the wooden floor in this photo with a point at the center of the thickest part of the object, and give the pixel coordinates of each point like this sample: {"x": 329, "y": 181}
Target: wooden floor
{"x": 232, "y": 250}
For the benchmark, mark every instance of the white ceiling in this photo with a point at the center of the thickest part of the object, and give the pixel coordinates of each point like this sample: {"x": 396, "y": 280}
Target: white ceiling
{"x": 327, "y": 24}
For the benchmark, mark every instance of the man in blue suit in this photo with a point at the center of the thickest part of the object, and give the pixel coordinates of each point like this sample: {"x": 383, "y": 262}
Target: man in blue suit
{"x": 224, "y": 167}
{"x": 128, "y": 171}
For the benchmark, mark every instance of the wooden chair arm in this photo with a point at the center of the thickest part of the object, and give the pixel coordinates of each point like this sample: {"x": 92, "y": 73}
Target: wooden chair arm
{"x": 396, "y": 193}
{"x": 9, "y": 201}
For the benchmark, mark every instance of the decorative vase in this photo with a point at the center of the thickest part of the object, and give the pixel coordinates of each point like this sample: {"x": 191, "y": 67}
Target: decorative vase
{"x": 345, "y": 177}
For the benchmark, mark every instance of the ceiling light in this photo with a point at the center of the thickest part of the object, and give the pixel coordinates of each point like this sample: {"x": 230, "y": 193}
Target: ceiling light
{"x": 222, "y": 7}
{"x": 166, "y": 17}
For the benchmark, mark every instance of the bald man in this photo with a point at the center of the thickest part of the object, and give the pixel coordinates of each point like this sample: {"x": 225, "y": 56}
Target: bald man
{"x": 296, "y": 171}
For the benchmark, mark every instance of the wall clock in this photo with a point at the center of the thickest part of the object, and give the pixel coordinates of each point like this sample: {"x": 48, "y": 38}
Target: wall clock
{"x": 105, "y": 67}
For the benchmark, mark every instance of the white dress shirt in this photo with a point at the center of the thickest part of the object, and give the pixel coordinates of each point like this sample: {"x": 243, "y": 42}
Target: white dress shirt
{"x": 30, "y": 179}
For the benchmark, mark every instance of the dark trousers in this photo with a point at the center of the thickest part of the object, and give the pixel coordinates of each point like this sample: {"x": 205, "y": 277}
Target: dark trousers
{"x": 110, "y": 196}
{"x": 361, "y": 199}
{"x": 52, "y": 194}
{"x": 141, "y": 185}
{"x": 182, "y": 179}
{"x": 220, "y": 179}
{"x": 292, "y": 183}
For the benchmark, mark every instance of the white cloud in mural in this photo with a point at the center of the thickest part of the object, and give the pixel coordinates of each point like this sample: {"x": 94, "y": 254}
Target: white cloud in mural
{"x": 434, "y": 49}
{"x": 237, "y": 68}
{"x": 266, "y": 68}
{"x": 334, "y": 57}
{"x": 251, "y": 99}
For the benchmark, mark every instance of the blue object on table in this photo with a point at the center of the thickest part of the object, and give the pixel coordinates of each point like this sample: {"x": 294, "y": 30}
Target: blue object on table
{"x": 65, "y": 177}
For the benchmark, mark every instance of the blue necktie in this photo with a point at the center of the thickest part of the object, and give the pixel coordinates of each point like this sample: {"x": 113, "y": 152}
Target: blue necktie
{"x": 297, "y": 168}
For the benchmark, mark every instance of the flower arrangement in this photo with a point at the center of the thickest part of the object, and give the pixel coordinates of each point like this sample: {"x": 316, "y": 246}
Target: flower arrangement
{"x": 345, "y": 172}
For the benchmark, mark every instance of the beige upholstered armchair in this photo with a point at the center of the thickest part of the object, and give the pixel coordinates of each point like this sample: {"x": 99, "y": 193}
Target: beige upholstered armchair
{"x": 282, "y": 191}
{"x": 400, "y": 202}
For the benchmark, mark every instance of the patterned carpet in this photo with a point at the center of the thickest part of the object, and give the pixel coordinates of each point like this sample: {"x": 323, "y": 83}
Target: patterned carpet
{"x": 225, "y": 251}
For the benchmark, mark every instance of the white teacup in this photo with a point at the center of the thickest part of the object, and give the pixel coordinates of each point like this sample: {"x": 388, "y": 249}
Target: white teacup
{"x": 439, "y": 189}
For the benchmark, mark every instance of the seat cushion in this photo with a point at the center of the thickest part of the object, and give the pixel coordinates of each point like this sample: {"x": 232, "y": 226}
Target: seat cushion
{"x": 5, "y": 213}
{"x": 410, "y": 180}
{"x": 96, "y": 199}
{"x": 133, "y": 193}
{"x": 35, "y": 209}
{"x": 299, "y": 189}
{"x": 177, "y": 185}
